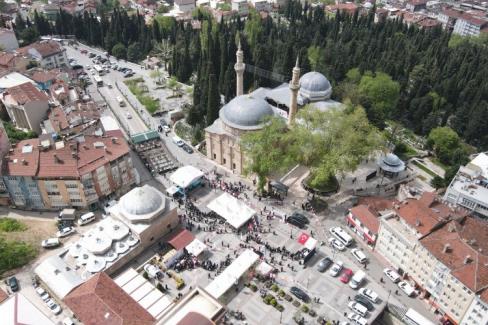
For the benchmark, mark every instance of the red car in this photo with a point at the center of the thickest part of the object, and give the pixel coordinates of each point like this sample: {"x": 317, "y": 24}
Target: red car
{"x": 346, "y": 275}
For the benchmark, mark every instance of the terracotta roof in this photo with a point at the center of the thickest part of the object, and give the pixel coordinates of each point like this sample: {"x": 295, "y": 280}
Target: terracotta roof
{"x": 46, "y": 48}
{"x": 6, "y": 58}
{"x": 377, "y": 204}
{"x": 25, "y": 93}
{"x": 3, "y": 295}
{"x": 428, "y": 22}
{"x": 91, "y": 157}
{"x": 474, "y": 20}
{"x": 42, "y": 76}
{"x": 58, "y": 119}
{"x": 194, "y": 318}
{"x": 181, "y": 239}
{"x": 452, "y": 13}
{"x": 417, "y": 2}
{"x": 427, "y": 212}
{"x": 467, "y": 251}
{"x": 57, "y": 162}
{"x": 101, "y": 301}
{"x": 367, "y": 218}
{"x": 24, "y": 159}
{"x": 484, "y": 295}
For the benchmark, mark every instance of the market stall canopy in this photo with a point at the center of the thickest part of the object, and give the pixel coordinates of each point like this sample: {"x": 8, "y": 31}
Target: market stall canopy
{"x": 185, "y": 176}
{"x": 234, "y": 211}
{"x": 181, "y": 239}
{"x": 309, "y": 242}
{"x": 196, "y": 247}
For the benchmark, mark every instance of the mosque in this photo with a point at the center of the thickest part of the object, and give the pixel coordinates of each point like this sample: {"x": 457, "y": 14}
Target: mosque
{"x": 246, "y": 112}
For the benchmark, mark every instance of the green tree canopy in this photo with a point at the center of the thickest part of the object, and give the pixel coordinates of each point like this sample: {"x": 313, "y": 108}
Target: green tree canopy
{"x": 447, "y": 145}
{"x": 119, "y": 51}
{"x": 134, "y": 52}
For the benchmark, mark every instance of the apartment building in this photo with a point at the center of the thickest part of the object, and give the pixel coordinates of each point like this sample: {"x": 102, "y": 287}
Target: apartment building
{"x": 469, "y": 25}
{"x": 49, "y": 54}
{"x": 440, "y": 250}
{"x": 477, "y": 313}
{"x": 469, "y": 188}
{"x": 26, "y": 105}
{"x": 76, "y": 173}
{"x": 448, "y": 17}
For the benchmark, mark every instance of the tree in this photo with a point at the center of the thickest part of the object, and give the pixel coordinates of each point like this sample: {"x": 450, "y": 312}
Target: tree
{"x": 29, "y": 35}
{"x": 119, "y": 51}
{"x": 445, "y": 142}
{"x": 380, "y": 95}
{"x": 14, "y": 254}
{"x": 134, "y": 52}
{"x": 213, "y": 100}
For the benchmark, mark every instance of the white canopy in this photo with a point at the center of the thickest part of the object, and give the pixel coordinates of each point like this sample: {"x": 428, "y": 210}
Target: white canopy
{"x": 232, "y": 274}
{"x": 234, "y": 211}
{"x": 196, "y": 247}
{"x": 264, "y": 268}
{"x": 185, "y": 176}
{"x": 311, "y": 243}
{"x": 172, "y": 190}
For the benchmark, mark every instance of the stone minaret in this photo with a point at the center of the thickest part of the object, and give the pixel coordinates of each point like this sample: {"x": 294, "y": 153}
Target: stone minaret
{"x": 294, "y": 87}
{"x": 239, "y": 68}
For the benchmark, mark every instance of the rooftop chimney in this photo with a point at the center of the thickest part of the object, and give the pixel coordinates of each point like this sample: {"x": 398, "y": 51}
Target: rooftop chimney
{"x": 417, "y": 222}
{"x": 467, "y": 259}
{"x": 57, "y": 159}
{"x": 114, "y": 139}
{"x": 24, "y": 162}
{"x": 446, "y": 248}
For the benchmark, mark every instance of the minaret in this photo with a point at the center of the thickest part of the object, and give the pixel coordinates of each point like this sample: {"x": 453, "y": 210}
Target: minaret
{"x": 239, "y": 68}
{"x": 294, "y": 87}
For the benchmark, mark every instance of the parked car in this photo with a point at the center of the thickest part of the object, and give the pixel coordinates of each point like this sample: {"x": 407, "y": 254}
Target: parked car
{"x": 336, "y": 244}
{"x": 50, "y": 243}
{"x": 91, "y": 55}
{"x": 295, "y": 222}
{"x": 359, "y": 255}
{"x": 300, "y": 217}
{"x": 346, "y": 275}
{"x": 129, "y": 116}
{"x": 83, "y": 51}
{"x": 357, "y": 319}
{"x": 187, "y": 148}
{"x": 56, "y": 310}
{"x": 407, "y": 288}
{"x": 370, "y": 294}
{"x": 166, "y": 128}
{"x": 68, "y": 321}
{"x": 300, "y": 294}
{"x": 66, "y": 231}
{"x": 358, "y": 308}
{"x": 324, "y": 264}
{"x": 336, "y": 268}
{"x": 86, "y": 218}
{"x": 42, "y": 293}
{"x": 364, "y": 301}
{"x": 13, "y": 284}
{"x": 392, "y": 275}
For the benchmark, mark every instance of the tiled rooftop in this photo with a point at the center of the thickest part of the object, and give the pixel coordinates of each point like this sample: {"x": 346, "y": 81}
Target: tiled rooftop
{"x": 25, "y": 93}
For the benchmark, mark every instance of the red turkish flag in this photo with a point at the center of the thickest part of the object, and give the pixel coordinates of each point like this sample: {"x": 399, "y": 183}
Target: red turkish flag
{"x": 302, "y": 239}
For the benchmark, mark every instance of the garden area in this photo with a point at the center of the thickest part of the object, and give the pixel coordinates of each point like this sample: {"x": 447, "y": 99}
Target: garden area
{"x": 14, "y": 252}
{"x": 140, "y": 90}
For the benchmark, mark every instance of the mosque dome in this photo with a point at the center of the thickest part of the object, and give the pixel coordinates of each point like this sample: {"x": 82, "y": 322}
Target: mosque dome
{"x": 142, "y": 201}
{"x": 245, "y": 112}
{"x": 391, "y": 163}
{"x": 314, "y": 86}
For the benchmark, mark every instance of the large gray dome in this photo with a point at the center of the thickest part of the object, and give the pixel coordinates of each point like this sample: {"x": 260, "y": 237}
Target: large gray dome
{"x": 314, "y": 86}
{"x": 245, "y": 112}
{"x": 142, "y": 200}
{"x": 391, "y": 163}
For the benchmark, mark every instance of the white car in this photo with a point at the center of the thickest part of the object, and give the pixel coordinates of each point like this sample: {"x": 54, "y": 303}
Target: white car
{"x": 407, "y": 288}
{"x": 370, "y": 294}
{"x": 42, "y": 293}
{"x": 359, "y": 255}
{"x": 356, "y": 319}
{"x": 129, "y": 116}
{"x": 392, "y": 275}
{"x": 166, "y": 128}
{"x": 66, "y": 231}
{"x": 68, "y": 321}
{"x": 54, "y": 307}
{"x": 358, "y": 308}
{"x": 336, "y": 268}
{"x": 336, "y": 244}
{"x": 51, "y": 242}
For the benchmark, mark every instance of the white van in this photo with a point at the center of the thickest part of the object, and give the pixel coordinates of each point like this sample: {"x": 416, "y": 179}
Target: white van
{"x": 341, "y": 235}
{"x": 357, "y": 279}
{"x": 86, "y": 218}
{"x": 120, "y": 101}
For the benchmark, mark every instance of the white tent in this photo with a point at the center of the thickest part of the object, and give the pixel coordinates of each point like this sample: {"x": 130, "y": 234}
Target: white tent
{"x": 185, "y": 176}
{"x": 232, "y": 274}
{"x": 196, "y": 247}
{"x": 234, "y": 211}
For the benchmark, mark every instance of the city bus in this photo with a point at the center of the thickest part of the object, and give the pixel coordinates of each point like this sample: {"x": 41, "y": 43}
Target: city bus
{"x": 412, "y": 317}
{"x": 99, "y": 69}
{"x": 98, "y": 81}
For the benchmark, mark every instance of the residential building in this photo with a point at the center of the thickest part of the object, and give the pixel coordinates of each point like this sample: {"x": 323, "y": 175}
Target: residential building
{"x": 4, "y": 150}
{"x": 43, "y": 174}
{"x": 364, "y": 222}
{"x": 12, "y": 79}
{"x": 8, "y": 41}
{"x": 469, "y": 188}
{"x": 72, "y": 118}
{"x": 17, "y": 309}
{"x": 185, "y": 6}
{"x": 13, "y": 61}
{"x": 477, "y": 313}
{"x": 26, "y": 106}
{"x": 50, "y": 54}
{"x": 241, "y": 7}
{"x": 416, "y": 5}
{"x": 469, "y": 25}
{"x": 260, "y": 5}
{"x": 448, "y": 17}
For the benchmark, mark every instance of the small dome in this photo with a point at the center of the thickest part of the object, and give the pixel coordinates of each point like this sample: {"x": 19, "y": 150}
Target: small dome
{"x": 142, "y": 200}
{"x": 392, "y": 160}
{"x": 245, "y": 112}
{"x": 391, "y": 163}
{"x": 314, "y": 86}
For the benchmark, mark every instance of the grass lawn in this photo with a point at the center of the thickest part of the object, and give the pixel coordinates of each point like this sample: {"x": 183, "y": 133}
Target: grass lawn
{"x": 151, "y": 104}
{"x": 424, "y": 168}
{"x": 436, "y": 161}
{"x": 183, "y": 130}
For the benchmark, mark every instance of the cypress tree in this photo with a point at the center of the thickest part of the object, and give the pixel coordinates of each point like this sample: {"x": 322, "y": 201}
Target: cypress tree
{"x": 213, "y": 101}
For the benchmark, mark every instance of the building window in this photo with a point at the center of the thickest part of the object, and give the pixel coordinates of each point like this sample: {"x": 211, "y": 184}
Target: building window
{"x": 214, "y": 156}
{"x": 225, "y": 161}
{"x": 233, "y": 166}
